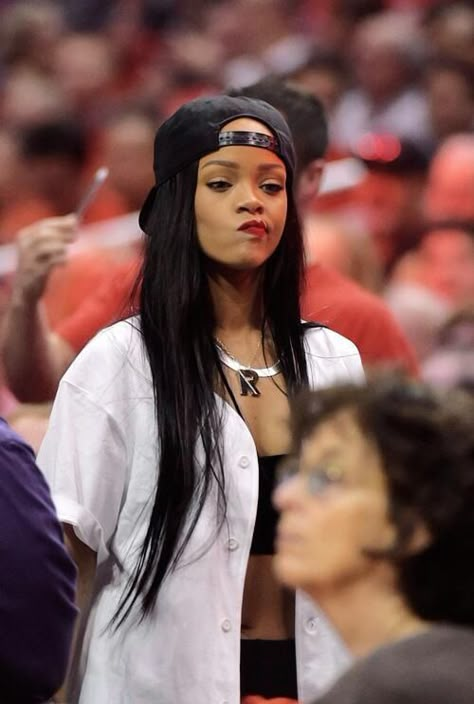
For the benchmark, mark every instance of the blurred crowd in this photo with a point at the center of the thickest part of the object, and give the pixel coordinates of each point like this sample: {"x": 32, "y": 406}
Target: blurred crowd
{"x": 85, "y": 84}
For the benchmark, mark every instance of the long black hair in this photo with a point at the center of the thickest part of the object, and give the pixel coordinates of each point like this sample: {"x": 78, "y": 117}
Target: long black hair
{"x": 177, "y": 325}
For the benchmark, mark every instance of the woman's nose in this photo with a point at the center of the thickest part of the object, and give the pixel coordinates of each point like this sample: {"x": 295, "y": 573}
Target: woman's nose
{"x": 250, "y": 206}
{"x": 250, "y": 201}
{"x": 287, "y": 493}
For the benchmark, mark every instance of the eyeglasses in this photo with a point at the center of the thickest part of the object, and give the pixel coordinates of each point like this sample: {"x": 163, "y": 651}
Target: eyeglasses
{"x": 317, "y": 479}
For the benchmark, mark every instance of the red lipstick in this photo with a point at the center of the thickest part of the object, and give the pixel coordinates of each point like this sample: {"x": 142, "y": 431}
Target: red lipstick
{"x": 254, "y": 227}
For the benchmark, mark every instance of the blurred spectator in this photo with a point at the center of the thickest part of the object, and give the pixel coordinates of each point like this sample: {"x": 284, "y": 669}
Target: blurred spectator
{"x": 332, "y": 22}
{"x": 385, "y": 54}
{"x": 127, "y": 151}
{"x": 97, "y": 15}
{"x": 52, "y": 158}
{"x": 450, "y": 188}
{"x": 452, "y": 360}
{"x": 31, "y": 97}
{"x": 386, "y": 202}
{"x": 419, "y": 312}
{"x": 450, "y": 90}
{"x": 86, "y": 70}
{"x": 443, "y": 263}
{"x": 449, "y": 28}
{"x": 432, "y": 281}
{"x": 338, "y": 244}
{"x": 270, "y": 40}
{"x": 28, "y": 34}
{"x": 195, "y": 56}
{"x": 88, "y": 15}
{"x": 126, "y": 148}
{"x": 76, "y": 295}
{"x": 326, "y": 76}
{"x": 53, "y": 183}
{"x": 377, "y": 527}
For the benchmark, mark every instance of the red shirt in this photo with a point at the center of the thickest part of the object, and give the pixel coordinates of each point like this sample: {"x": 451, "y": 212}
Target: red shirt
{"x": 110, "y": 301}
{"x": 329, "y": 298}
{"x": 341, "y": 304}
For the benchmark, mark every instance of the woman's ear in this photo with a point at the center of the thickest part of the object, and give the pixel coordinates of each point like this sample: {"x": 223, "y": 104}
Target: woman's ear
{"x": 416, "y": 538}
{"x": 421, "y": 538}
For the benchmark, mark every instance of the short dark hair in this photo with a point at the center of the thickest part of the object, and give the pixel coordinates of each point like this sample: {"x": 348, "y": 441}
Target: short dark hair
{"x": 323, "y": 59}
{"x": 303, "y": 111}
{"x": 56, "y": 138}
{"x": 425, "y": 439}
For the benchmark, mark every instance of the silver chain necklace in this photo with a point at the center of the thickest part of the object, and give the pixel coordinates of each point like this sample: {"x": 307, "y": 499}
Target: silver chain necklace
{"x": 248, "y": 375}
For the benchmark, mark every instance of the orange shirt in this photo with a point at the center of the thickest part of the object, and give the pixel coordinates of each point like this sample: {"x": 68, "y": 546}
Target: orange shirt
{"x": 21, "y": 214}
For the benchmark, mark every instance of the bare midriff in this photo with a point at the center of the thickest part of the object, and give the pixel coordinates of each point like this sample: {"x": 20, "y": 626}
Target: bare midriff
{"x": 268, "y": 608}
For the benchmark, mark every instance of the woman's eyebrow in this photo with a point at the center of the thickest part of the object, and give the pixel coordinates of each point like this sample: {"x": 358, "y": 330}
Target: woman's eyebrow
{"x": 271, "y": 166}
{"x": 234, "y": 165}
{"x": 221, "y": 162}
{"x": 327, "y": 455}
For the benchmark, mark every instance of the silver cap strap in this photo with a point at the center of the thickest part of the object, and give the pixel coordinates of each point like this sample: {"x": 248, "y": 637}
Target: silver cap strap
{"x": 250, "y": 139}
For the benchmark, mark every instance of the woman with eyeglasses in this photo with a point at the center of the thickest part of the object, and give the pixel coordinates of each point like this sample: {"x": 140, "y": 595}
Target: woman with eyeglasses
{"x": 377, "y": 526}
{"x": 167, "y": 428}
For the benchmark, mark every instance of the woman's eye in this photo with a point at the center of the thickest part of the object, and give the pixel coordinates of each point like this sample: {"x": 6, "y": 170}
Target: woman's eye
{"x": 272, "y": 188}
{"x": 219, "y": 185}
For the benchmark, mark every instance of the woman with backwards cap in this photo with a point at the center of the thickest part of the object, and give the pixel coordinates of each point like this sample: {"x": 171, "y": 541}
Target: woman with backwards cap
{"x": 166, "y": 430}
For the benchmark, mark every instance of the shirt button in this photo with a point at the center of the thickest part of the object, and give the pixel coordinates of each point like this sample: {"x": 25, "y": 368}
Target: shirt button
{"x": 312, "y": 625}
{"x": 226, "y": 625}
{"x": 232, "y": 544}
{"x": 244, "y": 461}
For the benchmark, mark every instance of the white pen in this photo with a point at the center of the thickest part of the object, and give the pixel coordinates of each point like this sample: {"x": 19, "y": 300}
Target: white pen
{"x": 99, "y": 178}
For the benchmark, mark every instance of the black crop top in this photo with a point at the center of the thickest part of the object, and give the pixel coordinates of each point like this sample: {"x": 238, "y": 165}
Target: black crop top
{"x": 267, "y": 517}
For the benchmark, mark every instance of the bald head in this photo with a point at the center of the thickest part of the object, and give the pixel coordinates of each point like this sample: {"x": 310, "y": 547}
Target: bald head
{"x": 450, "y": 190}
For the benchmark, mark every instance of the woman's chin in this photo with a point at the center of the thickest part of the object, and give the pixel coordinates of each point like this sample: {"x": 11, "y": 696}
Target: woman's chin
{"x": 286, "y": 571}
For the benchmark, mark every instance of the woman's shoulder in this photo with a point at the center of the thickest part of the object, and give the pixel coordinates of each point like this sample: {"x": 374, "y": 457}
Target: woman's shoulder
{"x": 123, "y": 331}
{"x": 321, "y": 341}
{"x": 442, "y": 642}
{"x": 115, "y": 352}
{"x": 433, "y": 666}
{"x": 114, "y": 342}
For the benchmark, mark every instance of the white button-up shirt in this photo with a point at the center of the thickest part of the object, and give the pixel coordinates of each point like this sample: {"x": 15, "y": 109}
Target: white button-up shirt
{"x": 100, "y": 457}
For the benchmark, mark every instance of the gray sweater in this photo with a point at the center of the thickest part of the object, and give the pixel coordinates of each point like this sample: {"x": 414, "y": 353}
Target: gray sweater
{"x": 435, "y": 667}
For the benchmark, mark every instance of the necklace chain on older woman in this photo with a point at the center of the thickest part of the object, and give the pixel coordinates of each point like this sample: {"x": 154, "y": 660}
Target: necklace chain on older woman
{"x": 248, "y": 375}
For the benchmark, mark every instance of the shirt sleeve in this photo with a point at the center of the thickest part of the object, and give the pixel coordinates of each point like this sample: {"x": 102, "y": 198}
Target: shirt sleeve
{"x": 84, "y": 459}
{"x": 110, "y": 302}
{"x": 37, "y": 583}
{"x": 332, "y": 358}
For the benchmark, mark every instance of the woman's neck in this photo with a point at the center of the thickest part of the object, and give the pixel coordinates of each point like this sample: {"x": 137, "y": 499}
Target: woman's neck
{"x": 237, "y": 301}
{"x": 390, "y": 618}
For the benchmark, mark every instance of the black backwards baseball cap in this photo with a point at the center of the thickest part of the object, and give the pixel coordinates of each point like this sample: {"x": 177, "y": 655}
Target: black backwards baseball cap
{"x": 194, "y": 130}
